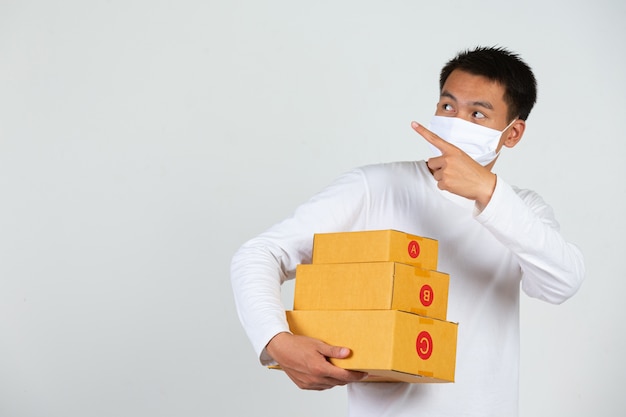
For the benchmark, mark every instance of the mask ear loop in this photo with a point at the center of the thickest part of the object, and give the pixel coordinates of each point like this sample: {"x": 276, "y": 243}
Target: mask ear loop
{"x": 504, "y": 130}
{"x": 510, "y": 124}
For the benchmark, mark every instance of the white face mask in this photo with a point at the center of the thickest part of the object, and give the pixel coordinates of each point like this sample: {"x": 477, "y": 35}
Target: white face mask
{"x": 479, "y": 142}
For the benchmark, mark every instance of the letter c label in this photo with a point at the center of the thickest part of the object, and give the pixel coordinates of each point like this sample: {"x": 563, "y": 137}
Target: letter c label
{"x": 424, "y": 345}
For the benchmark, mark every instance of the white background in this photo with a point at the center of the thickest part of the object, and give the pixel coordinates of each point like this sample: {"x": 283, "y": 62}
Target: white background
{"x": 142, "y": 142}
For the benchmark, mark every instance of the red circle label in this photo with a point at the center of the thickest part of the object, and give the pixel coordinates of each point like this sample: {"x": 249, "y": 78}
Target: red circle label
{"x": 414, "y": 249}
{"x": 426, "y": 295}
{"x": 424, "y": 345}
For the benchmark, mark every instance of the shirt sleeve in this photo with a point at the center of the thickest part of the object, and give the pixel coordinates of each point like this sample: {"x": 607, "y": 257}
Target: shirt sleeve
{"x": 552, "y": 268}
{"x": 262, "y": 264}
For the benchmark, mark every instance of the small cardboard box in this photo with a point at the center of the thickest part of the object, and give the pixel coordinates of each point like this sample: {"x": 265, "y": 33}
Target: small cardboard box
{"x": 390, "y": 345}
{"x": 371, "y": 286}
{"x": 375, "y": 246}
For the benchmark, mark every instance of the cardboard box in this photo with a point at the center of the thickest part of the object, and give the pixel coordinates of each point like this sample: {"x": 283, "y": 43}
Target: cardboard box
{"x": 390, "y": 345}
{"x": 371, "y": 286}
{"x": 375, "y": 246}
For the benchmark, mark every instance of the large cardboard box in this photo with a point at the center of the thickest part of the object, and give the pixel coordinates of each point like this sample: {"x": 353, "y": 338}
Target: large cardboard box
{"x": 371, "y": 286}
{"x": 390, "y": 345}
{"x": 374, "y": 246}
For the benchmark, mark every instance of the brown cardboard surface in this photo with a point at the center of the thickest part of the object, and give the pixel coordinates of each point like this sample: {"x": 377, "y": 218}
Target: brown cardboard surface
{"x": 374, "y": 246}
{"x": 390, "y": 345}
{"x": 371, "y": 286}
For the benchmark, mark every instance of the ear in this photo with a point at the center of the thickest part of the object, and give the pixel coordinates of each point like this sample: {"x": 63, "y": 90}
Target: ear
{"x": 515, "y": 133}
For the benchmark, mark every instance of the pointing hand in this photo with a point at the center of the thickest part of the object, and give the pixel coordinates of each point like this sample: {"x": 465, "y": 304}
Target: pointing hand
{"x": 457, "y": 172}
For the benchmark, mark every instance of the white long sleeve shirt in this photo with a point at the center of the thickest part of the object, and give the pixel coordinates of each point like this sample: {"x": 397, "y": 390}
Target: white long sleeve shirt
{"x": 514, "y": 240}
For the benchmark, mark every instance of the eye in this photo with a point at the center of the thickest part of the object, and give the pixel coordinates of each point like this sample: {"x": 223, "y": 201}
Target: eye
{"x": 478, "y": 115}
{"x": 447, "y": 107}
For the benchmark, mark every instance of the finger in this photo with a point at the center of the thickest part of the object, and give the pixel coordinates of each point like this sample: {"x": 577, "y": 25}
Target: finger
{"x": 324, "y": 376}
{"x": 323, "y": 383}
{"x": 342, "y": 376}
{"x": 433, "y": 139}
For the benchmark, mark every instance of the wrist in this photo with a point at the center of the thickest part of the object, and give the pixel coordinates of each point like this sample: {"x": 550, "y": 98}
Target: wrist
{"x": 489, "y": 188}
{"x": 270, "y": 347}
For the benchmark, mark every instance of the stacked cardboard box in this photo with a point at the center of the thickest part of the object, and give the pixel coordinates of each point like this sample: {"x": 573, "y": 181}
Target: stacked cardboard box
{"x": 378, "y": 293}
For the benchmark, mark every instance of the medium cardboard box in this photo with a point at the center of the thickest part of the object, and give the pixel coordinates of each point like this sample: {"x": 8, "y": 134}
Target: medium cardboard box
{"x": 371, "y": 286}
{"x": 390, "y": 345}
{"x": 373, "y": 246}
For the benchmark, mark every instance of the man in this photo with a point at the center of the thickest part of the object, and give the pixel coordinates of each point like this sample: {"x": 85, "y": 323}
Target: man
{"x": 492, "y": 237}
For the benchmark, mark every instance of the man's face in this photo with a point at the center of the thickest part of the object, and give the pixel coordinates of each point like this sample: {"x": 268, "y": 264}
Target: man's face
{"x": 473, "y": 98}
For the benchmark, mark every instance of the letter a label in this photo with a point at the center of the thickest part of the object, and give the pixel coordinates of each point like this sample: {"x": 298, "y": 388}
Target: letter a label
{"x": 414, "y": 249}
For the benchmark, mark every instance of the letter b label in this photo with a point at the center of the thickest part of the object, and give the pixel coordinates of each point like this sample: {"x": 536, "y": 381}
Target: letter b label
{"x": 426, "y": 295}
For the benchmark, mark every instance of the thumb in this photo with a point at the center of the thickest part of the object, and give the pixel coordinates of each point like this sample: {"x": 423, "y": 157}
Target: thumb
{"x": 338, "y": 352}
{"x": 433, "y": 139}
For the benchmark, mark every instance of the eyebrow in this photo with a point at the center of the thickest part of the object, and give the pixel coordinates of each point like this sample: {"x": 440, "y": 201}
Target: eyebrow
{"x": 484, "y": 104}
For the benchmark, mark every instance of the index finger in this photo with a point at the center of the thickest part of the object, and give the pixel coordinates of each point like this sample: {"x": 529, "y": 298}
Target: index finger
{"x": 433, "y": 139}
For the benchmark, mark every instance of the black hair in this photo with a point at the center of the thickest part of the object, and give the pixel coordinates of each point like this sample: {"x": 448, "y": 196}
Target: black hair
{"x": 500, "y": 65}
